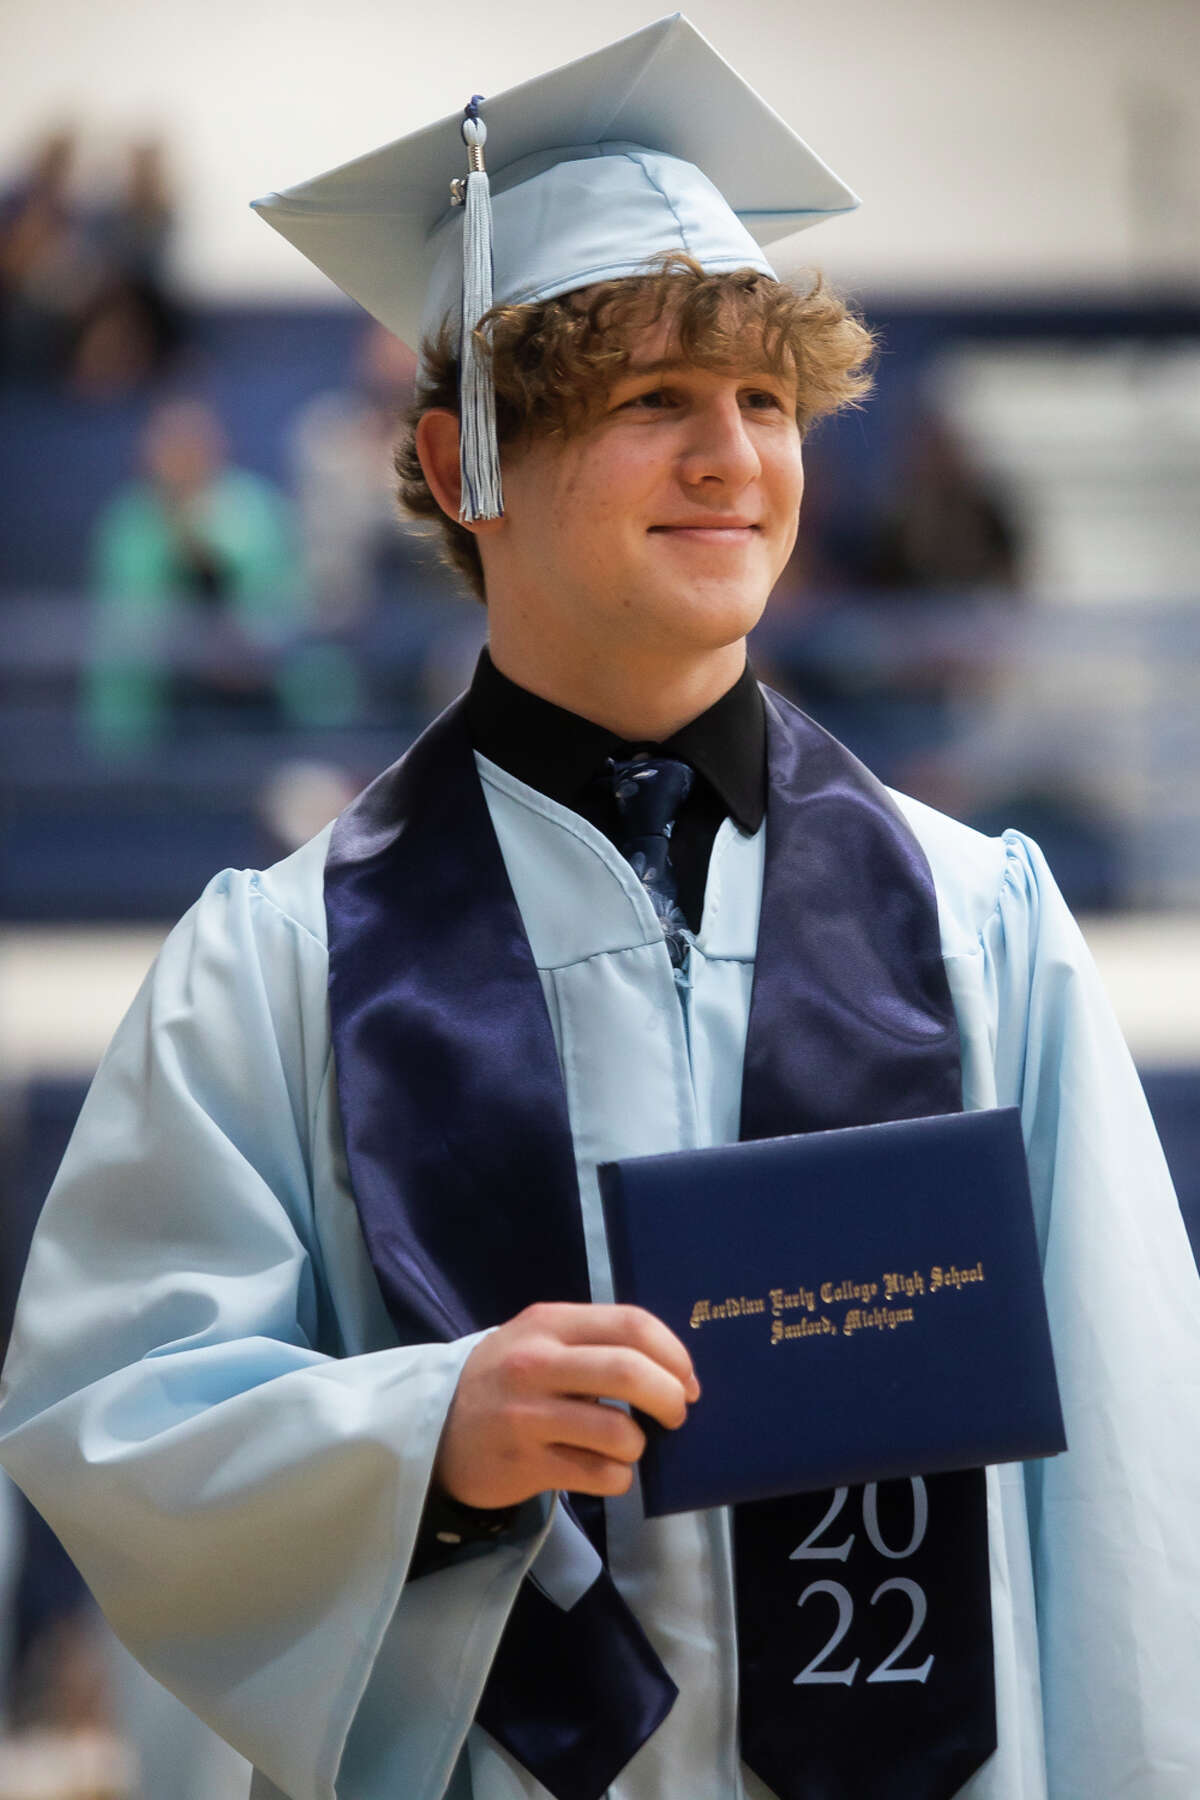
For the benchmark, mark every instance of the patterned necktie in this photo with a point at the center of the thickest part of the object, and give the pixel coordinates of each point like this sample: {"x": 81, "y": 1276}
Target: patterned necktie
{"x": 648, "y": 791}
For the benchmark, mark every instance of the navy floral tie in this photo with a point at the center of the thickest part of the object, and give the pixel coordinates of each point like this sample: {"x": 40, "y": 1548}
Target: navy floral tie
{"x": 648, "y": 791}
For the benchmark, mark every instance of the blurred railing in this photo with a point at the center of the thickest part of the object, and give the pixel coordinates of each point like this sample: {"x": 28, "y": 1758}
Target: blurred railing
{"x": 1080, "y": 725}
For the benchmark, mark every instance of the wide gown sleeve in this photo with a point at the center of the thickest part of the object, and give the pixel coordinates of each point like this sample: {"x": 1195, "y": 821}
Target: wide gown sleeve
{"x": 241, "y": 1494}
{"x": 1115, "y": 1523}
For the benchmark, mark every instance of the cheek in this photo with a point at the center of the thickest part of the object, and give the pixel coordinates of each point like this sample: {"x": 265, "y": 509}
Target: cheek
{"x": 791, "y": 474}
{"x": 787, "y": 493}
{"x": 614, "y": 478}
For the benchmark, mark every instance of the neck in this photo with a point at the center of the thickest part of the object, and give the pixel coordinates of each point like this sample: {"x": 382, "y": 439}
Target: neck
{"x": 633, "y": 702}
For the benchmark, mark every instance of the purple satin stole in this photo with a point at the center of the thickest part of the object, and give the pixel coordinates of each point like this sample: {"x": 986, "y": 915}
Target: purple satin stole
{"x": 459, "y": 1144}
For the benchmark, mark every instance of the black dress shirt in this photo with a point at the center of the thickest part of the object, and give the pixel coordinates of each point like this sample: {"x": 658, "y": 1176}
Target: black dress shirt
{"x": 565, "y": 757}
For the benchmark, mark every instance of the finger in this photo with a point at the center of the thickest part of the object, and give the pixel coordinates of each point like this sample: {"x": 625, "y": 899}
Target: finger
{"x": 631, "y": 1326}
{"x": 583, "y": 1472}
{"x": 612, "y": 1372}
{"x": 605, "y": 1431}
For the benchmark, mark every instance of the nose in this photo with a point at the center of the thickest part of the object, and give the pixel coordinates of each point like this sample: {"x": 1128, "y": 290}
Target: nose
{"x": 719, "y": 448}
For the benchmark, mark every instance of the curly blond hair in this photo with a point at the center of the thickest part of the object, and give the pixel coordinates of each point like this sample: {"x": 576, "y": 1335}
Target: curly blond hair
{"x": 555, "y": 361}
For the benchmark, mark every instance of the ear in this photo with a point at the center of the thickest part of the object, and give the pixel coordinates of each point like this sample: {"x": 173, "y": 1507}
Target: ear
{"x": 437, "y": 453}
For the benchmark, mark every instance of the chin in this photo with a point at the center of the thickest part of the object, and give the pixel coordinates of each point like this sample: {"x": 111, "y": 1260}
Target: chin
{"x": 711, "y": 617}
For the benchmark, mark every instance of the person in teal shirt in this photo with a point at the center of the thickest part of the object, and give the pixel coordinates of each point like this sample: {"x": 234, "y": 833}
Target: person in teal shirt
{"x": 197, "y": 584}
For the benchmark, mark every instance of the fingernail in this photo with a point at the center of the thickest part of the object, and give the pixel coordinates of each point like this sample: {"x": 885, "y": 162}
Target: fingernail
{"x": 693, "y": 1388}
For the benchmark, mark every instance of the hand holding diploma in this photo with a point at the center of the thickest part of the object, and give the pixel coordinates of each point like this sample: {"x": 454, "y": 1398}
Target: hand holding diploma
{"x": 524, "y": 1417}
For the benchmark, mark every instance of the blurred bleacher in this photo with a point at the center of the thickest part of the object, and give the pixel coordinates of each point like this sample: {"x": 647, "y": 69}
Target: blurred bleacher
{"x": 1110, "y": 693}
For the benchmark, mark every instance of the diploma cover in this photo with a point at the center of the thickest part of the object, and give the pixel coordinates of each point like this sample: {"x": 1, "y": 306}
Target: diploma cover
{"x": 859, "y": 1304}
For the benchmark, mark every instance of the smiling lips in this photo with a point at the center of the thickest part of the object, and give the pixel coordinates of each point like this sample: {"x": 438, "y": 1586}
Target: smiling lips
{"x": 710, "y": 528}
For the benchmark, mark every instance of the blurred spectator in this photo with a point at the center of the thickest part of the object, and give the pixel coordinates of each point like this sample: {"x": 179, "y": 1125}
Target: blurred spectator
{"x": 947, "y": 526}
{"x": 826, "y": 561}
{"x": 49, "y": 271}
{"x": 381, "y": 595}
{"x": 358, "y": 550}
{"x": 64, "y": 1684}
{"x": 301, "y": 797}
{"x": 130, "y": 331}
{"x": 135, "y": 229}
{"x": 197, "y": 587}
{"x": 885, "y": 631}
{"x": 65, "y": 1746}
{"x": 84, "y": 294}
{"x": 53, "y": 1765}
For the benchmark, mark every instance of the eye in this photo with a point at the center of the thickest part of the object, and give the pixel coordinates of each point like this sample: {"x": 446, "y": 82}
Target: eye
{"x": 762, "y": 400}
{"x": 656, "y": 399}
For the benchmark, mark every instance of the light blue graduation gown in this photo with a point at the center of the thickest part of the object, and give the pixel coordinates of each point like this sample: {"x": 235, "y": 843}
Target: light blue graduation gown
{"x": 205, "y": 1396}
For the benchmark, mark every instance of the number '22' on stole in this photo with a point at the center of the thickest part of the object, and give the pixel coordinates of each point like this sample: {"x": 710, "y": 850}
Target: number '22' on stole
{"x": 817, "y": 1671}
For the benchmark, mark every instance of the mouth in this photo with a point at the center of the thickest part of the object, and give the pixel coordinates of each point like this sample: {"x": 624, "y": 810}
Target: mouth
{"x": 710, "y": 531}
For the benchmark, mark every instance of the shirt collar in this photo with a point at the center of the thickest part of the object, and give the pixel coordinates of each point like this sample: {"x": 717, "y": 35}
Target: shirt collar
{"x": 559, "y": 753}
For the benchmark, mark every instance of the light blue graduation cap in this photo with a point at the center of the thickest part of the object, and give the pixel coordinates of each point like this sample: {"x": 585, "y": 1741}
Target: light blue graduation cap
{"x": 651, "y": 145}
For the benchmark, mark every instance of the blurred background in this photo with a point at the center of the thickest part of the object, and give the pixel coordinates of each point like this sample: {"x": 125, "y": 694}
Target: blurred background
{"x": 214, "y": 628}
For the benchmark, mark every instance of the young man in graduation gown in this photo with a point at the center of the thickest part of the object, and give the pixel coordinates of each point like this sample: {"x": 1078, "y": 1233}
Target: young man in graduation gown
{"x": 306, "y": 1360}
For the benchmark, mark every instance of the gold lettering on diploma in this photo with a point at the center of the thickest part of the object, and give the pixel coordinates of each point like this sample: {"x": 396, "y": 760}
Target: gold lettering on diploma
{"x": 832, "y": 1292}
{"x": 705, "y": 1311}
{"x": 952, "y": 1277}
{"x": 802, "y": 1328}
{"x": 884, "y": 1304}
{"x": 876, "y": 1318}
{"x": 907, "y": 1285}
{"x": 782, "y": 1301}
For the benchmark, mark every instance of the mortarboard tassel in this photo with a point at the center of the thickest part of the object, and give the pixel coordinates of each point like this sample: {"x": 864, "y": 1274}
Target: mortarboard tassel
{"x": 479, "y": 456}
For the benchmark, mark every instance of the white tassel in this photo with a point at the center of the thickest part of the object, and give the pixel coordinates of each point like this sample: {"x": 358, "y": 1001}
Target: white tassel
{"x": 479, "y": 455}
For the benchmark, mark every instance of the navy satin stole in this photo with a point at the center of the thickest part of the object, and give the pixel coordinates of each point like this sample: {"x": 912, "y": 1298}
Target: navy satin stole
{"x": 461, "y": 1161}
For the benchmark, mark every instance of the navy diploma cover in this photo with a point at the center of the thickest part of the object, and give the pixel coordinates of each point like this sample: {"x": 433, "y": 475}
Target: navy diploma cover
{"x": 859, "y": 1305}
